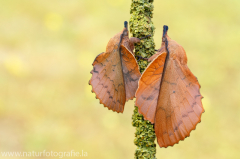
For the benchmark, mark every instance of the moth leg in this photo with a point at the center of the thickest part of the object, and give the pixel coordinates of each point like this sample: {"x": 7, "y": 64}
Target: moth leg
{"x": 140, "y": 57}
{"x": 134, "y": 40}
{"x": 145, "y": 37}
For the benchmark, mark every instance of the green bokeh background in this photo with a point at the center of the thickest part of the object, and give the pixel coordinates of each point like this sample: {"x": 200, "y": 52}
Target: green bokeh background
{"x": 46, "y": 51}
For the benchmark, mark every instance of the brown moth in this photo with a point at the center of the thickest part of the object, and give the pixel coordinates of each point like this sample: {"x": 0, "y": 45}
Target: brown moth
{"x": 168, "y": 94}
{"x": 115, "y": 72}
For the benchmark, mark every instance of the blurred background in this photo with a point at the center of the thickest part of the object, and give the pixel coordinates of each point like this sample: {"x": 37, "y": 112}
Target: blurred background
{"x": 46, "y": 54}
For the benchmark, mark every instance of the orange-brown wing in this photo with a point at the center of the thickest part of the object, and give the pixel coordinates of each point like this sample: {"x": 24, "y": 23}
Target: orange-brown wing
{"x": 115, "y": 75}
{"x": 131, "y": 72}
{"x": 179, "y": 106}
{"x": 149, "y": 88}
{"x": 107, "y": 80}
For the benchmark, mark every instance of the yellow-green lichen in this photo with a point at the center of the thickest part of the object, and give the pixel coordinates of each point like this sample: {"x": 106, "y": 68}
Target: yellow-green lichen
{"x": 140, "y": 26}
{"x": 144, "y": 137}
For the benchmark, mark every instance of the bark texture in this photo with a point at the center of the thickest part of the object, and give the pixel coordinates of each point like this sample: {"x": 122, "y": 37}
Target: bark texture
{"x": 140, "y": 26}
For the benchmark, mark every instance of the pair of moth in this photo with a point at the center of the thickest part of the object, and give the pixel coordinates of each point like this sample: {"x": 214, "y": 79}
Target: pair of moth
{"x": 167, "y": 93}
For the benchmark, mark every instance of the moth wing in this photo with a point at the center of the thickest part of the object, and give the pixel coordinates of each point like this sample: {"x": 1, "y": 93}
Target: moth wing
{"x": 149, "y": 88}
{"x": 107, "y": 80}
{"x": 179, "y": 106}
{"x": 131, "y": 72}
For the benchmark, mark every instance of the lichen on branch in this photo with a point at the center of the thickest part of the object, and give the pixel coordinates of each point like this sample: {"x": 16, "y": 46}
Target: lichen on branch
{"x": 141, "y": 26}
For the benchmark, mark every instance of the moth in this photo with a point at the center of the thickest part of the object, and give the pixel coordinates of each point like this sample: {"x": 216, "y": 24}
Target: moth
{"x": 168, "y": 94}
{"x": 115, "y": 72}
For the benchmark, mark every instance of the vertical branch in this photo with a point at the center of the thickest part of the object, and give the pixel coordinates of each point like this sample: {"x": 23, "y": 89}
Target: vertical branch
{"x": 140, "y": 26}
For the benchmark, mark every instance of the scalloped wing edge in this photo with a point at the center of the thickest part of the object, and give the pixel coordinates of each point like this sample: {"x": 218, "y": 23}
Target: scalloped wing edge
{"x": 189, "y": 133}
{"x": 100, "y": 102}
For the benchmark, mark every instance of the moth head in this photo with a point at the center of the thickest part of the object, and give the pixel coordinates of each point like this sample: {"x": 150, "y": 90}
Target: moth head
{"x": 164, "y": 36}
{"x": 125, "y": 30}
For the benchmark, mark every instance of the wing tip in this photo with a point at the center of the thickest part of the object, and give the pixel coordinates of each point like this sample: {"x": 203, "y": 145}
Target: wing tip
{"x": 118, "y": 111}
{"x": 140, "y": 112}
{"x": 130, "y": 98}
{"x": 112, "y": 109}
{"x": 194, "y": 128}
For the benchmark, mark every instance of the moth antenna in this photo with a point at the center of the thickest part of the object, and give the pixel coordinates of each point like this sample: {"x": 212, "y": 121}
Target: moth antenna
{"x": 165, "y": 29}
{"x": 126, "y": 25}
